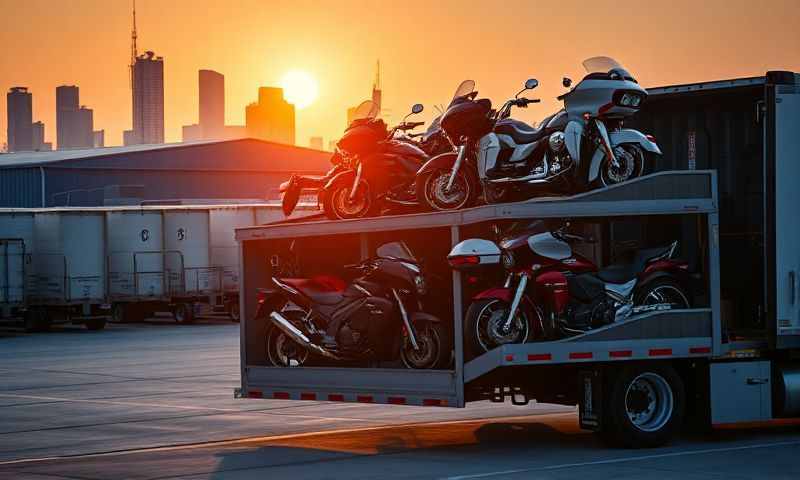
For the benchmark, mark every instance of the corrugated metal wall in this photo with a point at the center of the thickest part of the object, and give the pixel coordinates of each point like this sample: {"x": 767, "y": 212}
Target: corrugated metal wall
{"x": 20, "y": 187}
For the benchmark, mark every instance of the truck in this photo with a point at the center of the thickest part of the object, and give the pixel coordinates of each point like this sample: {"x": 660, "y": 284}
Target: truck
{"x": 725, "y": 188}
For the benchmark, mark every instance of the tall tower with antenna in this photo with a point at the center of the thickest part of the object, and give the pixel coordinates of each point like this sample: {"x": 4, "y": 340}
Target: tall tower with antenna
{"x": 134, "y": 51}
{"x": 376, "y": 86}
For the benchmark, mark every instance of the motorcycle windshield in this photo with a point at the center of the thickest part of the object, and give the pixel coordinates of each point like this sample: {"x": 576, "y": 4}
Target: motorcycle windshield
{"x": 365, "y": 110}
{"x": 432, "y": 128}
{"x": 606, "y": 65}
{"x": 464, "y": 88}
{"x": 396, "y": 251}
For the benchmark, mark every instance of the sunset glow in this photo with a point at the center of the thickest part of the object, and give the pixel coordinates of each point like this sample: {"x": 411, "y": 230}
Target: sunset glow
{"x": 299, "y": 88}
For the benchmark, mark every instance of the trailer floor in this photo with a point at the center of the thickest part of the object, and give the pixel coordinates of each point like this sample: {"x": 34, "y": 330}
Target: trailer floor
{"x": 155, "y": 401}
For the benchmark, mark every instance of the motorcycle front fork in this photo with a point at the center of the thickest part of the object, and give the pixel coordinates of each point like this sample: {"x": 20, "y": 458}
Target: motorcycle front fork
{"x": 412, "y": 332}
{"x": 520, "y": 291}
{"x": 356, "y": 181}
{"x": 456, "y": 166}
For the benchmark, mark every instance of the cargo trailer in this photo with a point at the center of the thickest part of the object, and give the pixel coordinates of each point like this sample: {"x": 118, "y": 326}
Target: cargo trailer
{"x": 16, "y": 247}
{"x": 725, "y": 188}
{"x": 69, "y": 268}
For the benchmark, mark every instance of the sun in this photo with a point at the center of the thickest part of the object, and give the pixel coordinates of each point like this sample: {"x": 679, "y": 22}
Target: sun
{"x": 299, "y": 88}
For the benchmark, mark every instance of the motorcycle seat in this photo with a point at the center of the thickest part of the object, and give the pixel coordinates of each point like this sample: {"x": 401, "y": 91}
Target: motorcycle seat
{"x": 520, "y": 132}
{"x": 622, "y": 273}
{"x": 322, "y": 289}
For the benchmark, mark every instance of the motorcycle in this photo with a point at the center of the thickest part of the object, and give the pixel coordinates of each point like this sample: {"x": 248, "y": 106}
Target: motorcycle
{"x": 373, "y": 168}
{"x": 552, "y": 292}
{"x": 579, "y": 147}
{"x": 378, "y": 316}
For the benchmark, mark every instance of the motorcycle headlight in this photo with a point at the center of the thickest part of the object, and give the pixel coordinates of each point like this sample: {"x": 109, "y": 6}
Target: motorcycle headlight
{"x": 419, "y": 282}
{"x": 637, "y": 100}
{"x": 507, "y": 259}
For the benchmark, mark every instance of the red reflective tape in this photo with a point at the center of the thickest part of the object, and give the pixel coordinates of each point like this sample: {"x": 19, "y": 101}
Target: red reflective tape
{"x": 281, "y": 395}
{"x": 538, "y": 357}
{"x": 308, "y": 396}
{"x": 254, "y": 394}
{"x": 364, "y": 398}
{"x": 697, "y": 350}
{"x": 658, "y": 352}
{"x": 335, "y": 397}
{"x": 433, "y": 402}
{"x": 580, "y": 355}
{"x": 396, "y": 400}
{"x": 620, "y": 353}
{"x": 509, "y": 358}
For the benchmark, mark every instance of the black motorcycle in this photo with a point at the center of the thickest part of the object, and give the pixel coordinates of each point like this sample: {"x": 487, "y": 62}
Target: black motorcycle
{"x": 376, "y": 317}
{"x": 374, "y": 168}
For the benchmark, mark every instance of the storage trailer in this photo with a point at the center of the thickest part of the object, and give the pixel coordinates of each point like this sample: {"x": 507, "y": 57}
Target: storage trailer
{"x": 16, "y": 247}
{"x": 725, "y": 188}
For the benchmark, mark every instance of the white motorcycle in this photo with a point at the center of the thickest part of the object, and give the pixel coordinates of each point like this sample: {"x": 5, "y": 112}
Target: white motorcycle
{"x": 580, "y": 147}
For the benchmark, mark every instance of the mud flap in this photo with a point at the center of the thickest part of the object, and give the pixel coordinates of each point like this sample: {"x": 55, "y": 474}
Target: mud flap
{"x": 590, "y": 406}
{"x": 291, "y": 196}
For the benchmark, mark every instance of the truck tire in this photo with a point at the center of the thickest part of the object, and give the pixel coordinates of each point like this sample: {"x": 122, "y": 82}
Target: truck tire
{"x": 183, "y": 313}
{"x": 96, "y": 324}
{"x": 126, "y": 313}
{"x": 37, "y": 320}
{"x": 645, "y": 406}
{"x": 233, "y": 311}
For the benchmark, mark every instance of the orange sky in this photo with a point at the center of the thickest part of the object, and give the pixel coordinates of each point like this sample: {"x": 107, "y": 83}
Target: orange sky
{"x": 426, "y": 49}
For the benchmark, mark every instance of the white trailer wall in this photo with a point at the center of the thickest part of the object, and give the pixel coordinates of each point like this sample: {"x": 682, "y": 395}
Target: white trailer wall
{"x": 69, "y": 258}
{"x": 135, "y": 243}
{"x": 224, "y": 250}
{"x": 16, "y": 235}
{"x": 186, "y": 241}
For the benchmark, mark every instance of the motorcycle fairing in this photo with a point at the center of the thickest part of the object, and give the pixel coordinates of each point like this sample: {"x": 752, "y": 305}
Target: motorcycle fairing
{"x": 489, "y": 149}
{"x": 573, "y": 135}
{"x": 619, "y": 137}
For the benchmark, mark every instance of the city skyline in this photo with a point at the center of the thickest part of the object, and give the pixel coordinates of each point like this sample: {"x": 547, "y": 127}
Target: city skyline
{"x": 328, "y": 43}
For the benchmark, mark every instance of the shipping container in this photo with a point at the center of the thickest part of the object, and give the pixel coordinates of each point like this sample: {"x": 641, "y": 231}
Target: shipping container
{"x": 16, "y": 247}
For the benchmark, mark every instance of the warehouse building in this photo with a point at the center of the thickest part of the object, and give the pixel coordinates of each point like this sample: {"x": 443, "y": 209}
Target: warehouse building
{"x": 198, "y": 172}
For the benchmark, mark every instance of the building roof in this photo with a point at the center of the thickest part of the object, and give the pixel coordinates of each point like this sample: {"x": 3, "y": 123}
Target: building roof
{"x": 35, "y": 159}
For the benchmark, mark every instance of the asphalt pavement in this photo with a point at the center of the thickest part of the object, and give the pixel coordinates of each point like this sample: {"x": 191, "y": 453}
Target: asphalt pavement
{"x": 155, "y": 401}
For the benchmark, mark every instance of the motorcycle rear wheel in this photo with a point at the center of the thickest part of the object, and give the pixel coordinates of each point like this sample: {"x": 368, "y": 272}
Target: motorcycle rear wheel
{"x": 432, "y": 190}
{"x": 663, "y": 291}
{"x": 283, "y": 351}
{"x": 434, "y": 348}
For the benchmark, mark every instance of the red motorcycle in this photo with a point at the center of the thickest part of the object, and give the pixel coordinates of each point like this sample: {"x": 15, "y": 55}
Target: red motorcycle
{"x": 552, "y": 292}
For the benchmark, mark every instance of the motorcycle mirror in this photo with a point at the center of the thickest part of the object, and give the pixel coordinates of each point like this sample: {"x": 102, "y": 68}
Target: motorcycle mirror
{"x": 531, "y": 83}
{"x": 566, "y": 82}
{"x": 417, "y": 108}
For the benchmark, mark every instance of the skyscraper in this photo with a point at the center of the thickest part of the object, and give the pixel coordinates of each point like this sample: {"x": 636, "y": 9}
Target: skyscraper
{"x": 377, "y": 95}
{"x": 271, "y": 118}
{"x": 39, "y": 144}
{"x": 19, "y": 107}
{"x": 74, "y": 123}
{"x": 148, "y": 99}
{"x": 212, "y": 104}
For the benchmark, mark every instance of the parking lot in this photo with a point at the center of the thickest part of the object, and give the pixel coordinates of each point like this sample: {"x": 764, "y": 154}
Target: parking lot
{"x": 155, "y": 400}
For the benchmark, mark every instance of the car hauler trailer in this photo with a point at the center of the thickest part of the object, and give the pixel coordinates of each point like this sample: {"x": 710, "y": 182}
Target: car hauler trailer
{"x": 721, "y": 361}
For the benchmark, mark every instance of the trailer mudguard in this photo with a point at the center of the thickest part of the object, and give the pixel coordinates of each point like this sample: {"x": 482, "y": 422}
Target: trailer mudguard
{"x": 618, "y": 137}
{"x": 444, "y": 161}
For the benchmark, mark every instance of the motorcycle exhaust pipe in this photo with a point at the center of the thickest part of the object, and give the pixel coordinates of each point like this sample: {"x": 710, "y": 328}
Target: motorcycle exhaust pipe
{"x": 299, "y": 337}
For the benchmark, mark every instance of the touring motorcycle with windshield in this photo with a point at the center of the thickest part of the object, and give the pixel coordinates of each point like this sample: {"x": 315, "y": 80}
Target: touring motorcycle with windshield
{"x": 374, "y": 167}
{"x": 553, "y": 292}
{"x": 579, "y": 147}
{"x": 377, "y": 316}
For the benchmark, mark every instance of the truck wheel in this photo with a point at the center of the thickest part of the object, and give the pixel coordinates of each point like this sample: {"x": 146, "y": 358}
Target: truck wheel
{"x": 96, "y": 324}
{"x": 645, "y": 406}
{"x": 37, "y": 320}
{"x": 233, "y": 311}
{"x": 126, "y": 313}
{"x": 183, "y": 313}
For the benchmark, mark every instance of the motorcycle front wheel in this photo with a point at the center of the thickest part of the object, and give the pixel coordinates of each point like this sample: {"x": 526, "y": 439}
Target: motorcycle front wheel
{"x": 432, "y": 190}
{"x": 434, "y": 348}
{"x": 338, "y": 205}
{"x": 484, "y": 326}
{"x": 629, "y": 165}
